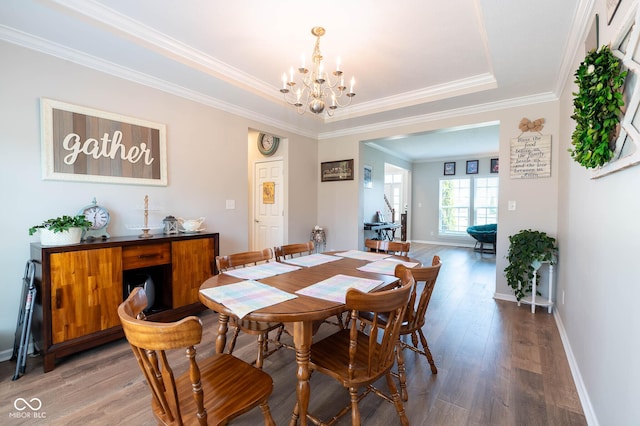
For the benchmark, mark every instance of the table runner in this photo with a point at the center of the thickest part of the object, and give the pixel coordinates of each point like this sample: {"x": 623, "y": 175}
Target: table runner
{"x": 386, "y": 266}
{"x": 311, "y": 260}
{"x": 263, "y": 270}
{"x": 247, "y": 296}
{"x": 335, "y": 288}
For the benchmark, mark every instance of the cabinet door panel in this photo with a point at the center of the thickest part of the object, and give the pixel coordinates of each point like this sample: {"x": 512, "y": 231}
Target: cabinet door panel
{"x": 86, "y": 289}
{"x": 192, "y": 263}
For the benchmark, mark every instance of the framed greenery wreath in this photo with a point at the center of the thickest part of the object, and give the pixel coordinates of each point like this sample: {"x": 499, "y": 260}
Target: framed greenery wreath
{"x": 597, "y": 108}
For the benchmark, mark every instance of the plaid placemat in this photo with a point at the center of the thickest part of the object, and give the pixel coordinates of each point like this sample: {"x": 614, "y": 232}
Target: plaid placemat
{"x": 369, "y": 256}
{"x": 386, "y": 266}
{"x": 247, "y": 296}
{"x": 263, "y": 270}
{"x": 311, "y": 260}
{"x": 335, "y": 288}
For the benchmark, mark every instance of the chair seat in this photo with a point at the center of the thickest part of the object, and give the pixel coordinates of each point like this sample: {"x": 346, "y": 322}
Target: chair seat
{"x": 335, "y": 363}
{"x": 231, "y": 387}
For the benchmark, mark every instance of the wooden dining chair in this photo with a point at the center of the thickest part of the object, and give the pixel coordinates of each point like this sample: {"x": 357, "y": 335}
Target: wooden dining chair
{"x": 257, "y": 328}
{"x": 415, "y": 316}
{"x": 399, "y": 248}
{"x": 356, "y": 359}
{"x": 372, "y": 245}
{"x": 293, "y": 250}
{"x": 212, "y": 391}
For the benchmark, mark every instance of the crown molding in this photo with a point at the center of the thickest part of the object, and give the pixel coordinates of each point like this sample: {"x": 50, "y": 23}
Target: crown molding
{"x": 442, "y": 115}
{"x": 460, "y": 87}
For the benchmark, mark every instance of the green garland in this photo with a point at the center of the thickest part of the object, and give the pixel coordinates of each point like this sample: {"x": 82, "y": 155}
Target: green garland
{"x": 597, "y": 108}
{"x": 525, "y": 247}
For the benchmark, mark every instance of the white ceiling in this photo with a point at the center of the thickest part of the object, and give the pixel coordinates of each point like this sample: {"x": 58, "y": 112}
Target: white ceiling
{"x": 413, "y": 60}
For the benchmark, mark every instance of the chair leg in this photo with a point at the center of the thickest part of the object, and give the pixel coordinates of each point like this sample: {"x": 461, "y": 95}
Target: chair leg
{"x": 295, "y": 415}
{"x": 262, "y": 341}
{"x": 232, "y": 343}
{"x": 427, "y": 352}
{"x": 355, "y": 411}
{"x": 266, "y": 412}
{"x": 397, "y": 402}
{"x": 402, "y": 373}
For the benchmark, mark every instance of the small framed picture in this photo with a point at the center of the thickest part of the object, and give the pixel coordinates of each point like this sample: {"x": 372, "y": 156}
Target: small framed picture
{"x": 336, "y": 170}
{"x": 368, "y": 182}
{"x": 450, "y": 168}
{"x": 472, "y": 167}
{"x": 495, "y": 165}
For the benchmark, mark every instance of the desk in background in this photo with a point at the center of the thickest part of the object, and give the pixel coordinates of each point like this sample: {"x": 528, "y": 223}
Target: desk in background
{"x": 384, "y": 230}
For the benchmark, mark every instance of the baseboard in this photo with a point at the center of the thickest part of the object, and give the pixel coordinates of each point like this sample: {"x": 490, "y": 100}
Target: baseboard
{"x": 590, "y": 415}
{"x": 443, "y": 243}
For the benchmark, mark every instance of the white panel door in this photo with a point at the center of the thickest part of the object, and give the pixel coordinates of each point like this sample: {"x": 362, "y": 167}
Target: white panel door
{"x": 268, "y": 207}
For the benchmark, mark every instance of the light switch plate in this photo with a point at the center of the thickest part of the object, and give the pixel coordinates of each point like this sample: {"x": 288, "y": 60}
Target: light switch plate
{"x": 511, "y": 205}
{"x": 231, "y": 204}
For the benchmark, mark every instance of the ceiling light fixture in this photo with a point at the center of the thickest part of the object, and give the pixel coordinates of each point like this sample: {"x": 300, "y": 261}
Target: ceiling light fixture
{"x": 317, "y": 91}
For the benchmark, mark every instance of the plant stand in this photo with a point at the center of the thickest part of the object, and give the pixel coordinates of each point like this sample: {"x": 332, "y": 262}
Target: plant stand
{"x": 533, "y": 300}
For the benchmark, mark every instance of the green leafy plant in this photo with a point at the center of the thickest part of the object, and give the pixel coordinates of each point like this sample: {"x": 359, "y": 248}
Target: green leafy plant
{"x": 597, "y": 108}
{"x": 525, "y": 248}
{"x": 62, "y": 223}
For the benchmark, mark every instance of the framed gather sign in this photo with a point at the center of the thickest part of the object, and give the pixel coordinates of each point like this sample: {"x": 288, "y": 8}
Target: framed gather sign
{"x": 88, "y": 145}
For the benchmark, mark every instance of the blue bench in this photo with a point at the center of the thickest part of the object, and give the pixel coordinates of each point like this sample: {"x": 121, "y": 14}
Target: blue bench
{"x": 484, "y": 234}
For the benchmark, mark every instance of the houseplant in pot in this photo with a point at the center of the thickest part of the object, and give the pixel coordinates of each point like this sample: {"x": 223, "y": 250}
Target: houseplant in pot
{"x": 528, "y": 249}
{"x": 61, "y": 230}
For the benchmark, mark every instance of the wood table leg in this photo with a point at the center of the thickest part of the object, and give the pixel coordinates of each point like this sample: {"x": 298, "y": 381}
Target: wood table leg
{"x": 302, "y": 334}
{"x": 223, "y": 326}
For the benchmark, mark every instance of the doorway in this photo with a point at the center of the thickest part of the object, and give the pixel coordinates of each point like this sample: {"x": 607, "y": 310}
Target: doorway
{"x": 396, "y": 196}
{"x": 268, "y": 204}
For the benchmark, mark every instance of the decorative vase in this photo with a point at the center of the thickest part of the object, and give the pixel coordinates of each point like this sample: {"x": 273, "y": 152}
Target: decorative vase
{"x": 50, "y": 238}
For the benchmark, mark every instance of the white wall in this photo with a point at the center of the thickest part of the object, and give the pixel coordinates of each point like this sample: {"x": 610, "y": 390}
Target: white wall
{"x": 599, "y": 235}
{"x": 207, "y": 165}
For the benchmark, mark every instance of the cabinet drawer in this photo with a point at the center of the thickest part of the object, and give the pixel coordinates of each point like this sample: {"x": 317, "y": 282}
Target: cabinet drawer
{"x": 134, "y": 257}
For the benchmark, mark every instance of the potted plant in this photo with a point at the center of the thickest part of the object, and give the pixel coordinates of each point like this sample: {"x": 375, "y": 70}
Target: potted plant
{"x": 527, "y": 251}
{"x": 597, "y": 108}
{"x": 61, "y": 230}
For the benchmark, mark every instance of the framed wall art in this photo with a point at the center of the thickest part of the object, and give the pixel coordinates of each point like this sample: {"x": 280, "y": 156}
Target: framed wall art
{"x": 449, "y": 168}
{"x": 88, "y": 145}
{"x": 336, "y": 170}
{"x": 368, "y": 182}
{"x": 495, "y": 165}
{"x": 269, "y": 193}
{"x": 472, "y": 167}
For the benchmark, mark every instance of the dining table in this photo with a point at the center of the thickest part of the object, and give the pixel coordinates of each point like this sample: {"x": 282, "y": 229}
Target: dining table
{"x": 304, "y": 308}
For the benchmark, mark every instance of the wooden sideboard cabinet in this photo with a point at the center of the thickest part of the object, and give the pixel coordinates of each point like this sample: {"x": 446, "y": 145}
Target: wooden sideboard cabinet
{"x": 80, "y": 286}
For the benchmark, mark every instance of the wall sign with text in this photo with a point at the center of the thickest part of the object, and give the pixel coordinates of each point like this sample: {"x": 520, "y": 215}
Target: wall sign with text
{"x": 531, "y": 157}
{"x": 88, "y": 145}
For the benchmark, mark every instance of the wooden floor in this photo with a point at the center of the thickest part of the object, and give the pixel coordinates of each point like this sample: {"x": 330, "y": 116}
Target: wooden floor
{"x": 498, "y": 365}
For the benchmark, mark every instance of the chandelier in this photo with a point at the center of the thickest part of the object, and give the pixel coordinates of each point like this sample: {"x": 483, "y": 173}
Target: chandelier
{"x": 317, "y": 91}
